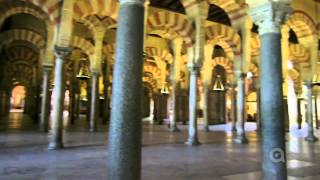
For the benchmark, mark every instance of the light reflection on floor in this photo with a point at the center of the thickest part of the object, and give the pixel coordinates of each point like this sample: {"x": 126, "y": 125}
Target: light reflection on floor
{"x": 23, "y": 149}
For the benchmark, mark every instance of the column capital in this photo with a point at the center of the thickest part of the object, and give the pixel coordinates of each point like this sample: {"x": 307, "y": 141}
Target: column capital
{"x": 308, "y": 84}
{"x": 270, "y": 16}
{"x": 194, "y": 69}
{"x": 47, "y": 68}
{"x": 140, "y": 2}
{"x": 62, "y": 52}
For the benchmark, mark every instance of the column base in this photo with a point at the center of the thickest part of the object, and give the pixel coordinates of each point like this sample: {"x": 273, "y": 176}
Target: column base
{"x": 92, "y": 130}
{"x": 55, "y": 146}
{"x": 206, "y": 129}
{"x": 241, "y": 140}
{"x": 234, "y": 129}
{"x": 192, "y": 142}
{"x": 174, "y": 129}
{"x": 311, "y": 138}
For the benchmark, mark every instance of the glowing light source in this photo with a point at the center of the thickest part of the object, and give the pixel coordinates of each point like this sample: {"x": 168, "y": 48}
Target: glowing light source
{"x": 218, "y": 85}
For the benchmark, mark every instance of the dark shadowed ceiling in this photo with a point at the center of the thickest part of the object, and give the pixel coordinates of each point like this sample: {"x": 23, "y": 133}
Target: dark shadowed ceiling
{"x": 215, "y": 14}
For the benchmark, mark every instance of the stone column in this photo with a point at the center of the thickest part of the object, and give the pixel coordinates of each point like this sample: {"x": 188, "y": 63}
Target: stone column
{"x": 311, "y": 137}
{"x": 94, "y": 101}
{"x": 173, "y": 123}
{"x": 205, "y": 109}
{"x": 193, "y": 91}
{"x": 58, "y": 101}
{"x": 233, "y": 95}
{"x": 316, "y": 111}
{"x": 269, "y": 17}
{"x": 258, "y": 112}
{"x": 241, "y": 98}
{"x": 106, "y": 112}
{"x": 299, "y": 119}
{"x": 46, "y": 99}
{"x": 124, "y": 147}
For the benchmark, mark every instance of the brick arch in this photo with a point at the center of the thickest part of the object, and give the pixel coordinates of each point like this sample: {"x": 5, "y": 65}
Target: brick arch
{"x": 173, "y": 21}
{"x": 86, "y": 8}
{"x": 161, "y": 53}
{"x": 150, "y": 81}
{"x": 224, "y": 62}
{"x": 51, "y": 7}
{"x": 302, "y": 24}
{"x": 231, "y": 7}
{"x": 154, "y": 70}
{"x": 21, "y": 9}
{"x": 18, "y": 53}
{"x": 225, "y": 36}
{"x": 22, "y": 35}
{"x": 92, "y": 21}
{"x": 83, "y": 44}
{"x": 20, "y": 68}
{"x": 298, "y": 54}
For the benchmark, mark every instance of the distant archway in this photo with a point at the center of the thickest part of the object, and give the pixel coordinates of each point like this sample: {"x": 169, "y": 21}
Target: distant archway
{"x": 17, "y": 100}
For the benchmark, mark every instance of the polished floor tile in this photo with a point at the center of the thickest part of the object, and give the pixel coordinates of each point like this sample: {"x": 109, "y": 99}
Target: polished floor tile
{"x": 23, "y": 153}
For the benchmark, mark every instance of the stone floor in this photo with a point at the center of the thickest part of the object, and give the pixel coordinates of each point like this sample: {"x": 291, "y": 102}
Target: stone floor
{"x": 23, "y": 154}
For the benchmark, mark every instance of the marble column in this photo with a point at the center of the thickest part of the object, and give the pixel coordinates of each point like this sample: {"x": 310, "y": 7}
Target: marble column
{"x": 299, "y": 119}
{"x": 311, "y": 137}
{"x": 58, "y": 100}
{"x": 106, "y": 103}
{"x": 125, "y": 133}
{"x": 46, "y": 99}
{"x": 269, "y": 17}
{"x": 193, "y": 92}
{"x": 241, "y": 98}
{"x": 233, "y": 95}
{"x": 258, "y": 112}
{"x": 173, "y": 123}
{"x": 94, "y": 101}
{"x": 205, "y": 109}
{"x": 316, "y": 111}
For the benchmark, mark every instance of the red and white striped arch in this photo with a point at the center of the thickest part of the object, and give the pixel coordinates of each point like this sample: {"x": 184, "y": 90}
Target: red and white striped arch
{"x": 51, "y": 7}
{"x": 161, "y": 53}
{"x": 150, "y": 81}
{"x": 224, "y": 62}
{"x": 298, "y": 54}
{"x": 18, "y": 53}
{"x": 231, "y": 7}
{"x": 83, "y": 44}
{"x": 153, "y": 69}
{"x": 12, "y": 9}
{"x": 22, "y": 35}
{"x": 173, "y": 21}
{"x": 86, "y": 8}
{"x": 225, "y": 36}
{"x": 302, "y": 24}
{"x": 93, "y": 21}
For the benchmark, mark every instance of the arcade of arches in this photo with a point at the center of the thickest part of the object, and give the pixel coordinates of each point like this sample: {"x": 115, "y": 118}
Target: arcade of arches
{"x": 175, "y": 89}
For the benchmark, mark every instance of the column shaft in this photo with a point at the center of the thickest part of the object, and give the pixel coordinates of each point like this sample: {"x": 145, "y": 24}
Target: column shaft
{"x": 316, "y": 111}
{"x": 58, "y": 102}
{"x": 193, "y": 90}
{"x": 173, "y": 123}
{"x": 311, "y": 137}
{"x": 273, "y": 134}
{"x": 124, "y": 162}
{"x": 94, "y": 102}
{"x": 46, "y": 99}
{"x": 241, "y": 98}
{"x": 205, "y": 109}
{"x": 233, "y": 96}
